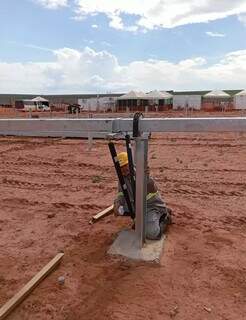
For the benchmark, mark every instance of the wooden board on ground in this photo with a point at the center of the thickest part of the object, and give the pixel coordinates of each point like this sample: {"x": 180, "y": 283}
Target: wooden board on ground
{"x": 24, "y": 292}
{"x": 102, "y": 214}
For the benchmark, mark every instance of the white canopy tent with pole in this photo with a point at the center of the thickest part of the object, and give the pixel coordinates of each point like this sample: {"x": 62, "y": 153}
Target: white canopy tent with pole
{"x": 40, "y": 99}
{"x": 155, "y": 97}
{"x": 133, "y": 99}
{"x": 41, "y": 103}
{"x": 217, "y": 94}
{"x": 217, "y": 99}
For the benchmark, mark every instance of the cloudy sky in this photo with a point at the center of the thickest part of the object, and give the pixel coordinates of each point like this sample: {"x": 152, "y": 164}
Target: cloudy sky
{"x": 92, "y": 46}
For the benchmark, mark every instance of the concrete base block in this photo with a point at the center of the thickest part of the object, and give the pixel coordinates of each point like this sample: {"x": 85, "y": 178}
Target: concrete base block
{"x": 126, "y": 245}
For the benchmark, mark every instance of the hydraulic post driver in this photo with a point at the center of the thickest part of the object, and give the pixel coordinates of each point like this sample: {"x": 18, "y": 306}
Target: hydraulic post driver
{"x": 121, "y": 179}
{"x": 131, "y": 166}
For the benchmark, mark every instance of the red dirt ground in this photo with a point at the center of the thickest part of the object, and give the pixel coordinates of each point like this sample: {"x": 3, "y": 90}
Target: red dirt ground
{"x": 49, "y": 190}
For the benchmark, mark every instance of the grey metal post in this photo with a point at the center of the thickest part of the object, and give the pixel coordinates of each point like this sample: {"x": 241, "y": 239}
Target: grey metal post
{"x": 90, "y": 135}
{"x": 141, "y": 188}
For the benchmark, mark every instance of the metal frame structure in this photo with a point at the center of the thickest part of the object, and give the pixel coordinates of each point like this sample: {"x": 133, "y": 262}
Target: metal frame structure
{"x": 80, "y": 127}
{"x": 107, "y": 126}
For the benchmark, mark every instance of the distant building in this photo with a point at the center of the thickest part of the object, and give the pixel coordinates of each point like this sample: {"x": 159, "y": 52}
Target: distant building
{"x": 217, "y": 100}
{"x": 140, "y": 101}
{"x": 240, "y": 100}
{"x": 104, "y": 104}
{"x": 187, "y": 100}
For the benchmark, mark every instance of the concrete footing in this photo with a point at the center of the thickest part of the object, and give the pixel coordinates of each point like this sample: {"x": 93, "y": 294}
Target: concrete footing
{"x": 126, "y": 245}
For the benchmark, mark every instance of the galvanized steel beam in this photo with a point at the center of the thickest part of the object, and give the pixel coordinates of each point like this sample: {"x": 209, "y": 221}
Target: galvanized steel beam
{"x": 78, "y": 127}
{"x": 222, "y": 124}
{"x": 141, "y": 190}
{"x": 56, "y": 127}
{"x": 235, "y": 124}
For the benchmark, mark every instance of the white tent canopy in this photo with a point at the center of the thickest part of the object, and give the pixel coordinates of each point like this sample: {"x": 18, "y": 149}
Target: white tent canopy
{"x": 242, "y": 93}
{"x": 240, "y": 100}
{"x": 159, "y": 95}
{"x": 134, "y": 95}
{"x": 39, "y": 99}
{"x": 217, "y": 94}
{"x": 166, "y": 94}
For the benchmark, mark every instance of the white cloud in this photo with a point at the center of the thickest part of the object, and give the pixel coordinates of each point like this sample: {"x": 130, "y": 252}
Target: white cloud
{"x": 53, "y": 4}
{"x": 242, "y": 19}
{"x": 74, "y": 71}
{"x": 159, "y": 13}
{"x": 117, "y": 23}
{"x": 215, "y": 34}
{"x": 94, "y": 26}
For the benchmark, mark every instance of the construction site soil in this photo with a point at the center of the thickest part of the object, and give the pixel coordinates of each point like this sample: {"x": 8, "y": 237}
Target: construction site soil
{"x": 49, "y": 190}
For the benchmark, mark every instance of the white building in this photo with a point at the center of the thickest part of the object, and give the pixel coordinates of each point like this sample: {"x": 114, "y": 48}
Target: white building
{"x": 185, "y": 101}
{"x": 240, "y": 100}
{"x": 98, "y": 104}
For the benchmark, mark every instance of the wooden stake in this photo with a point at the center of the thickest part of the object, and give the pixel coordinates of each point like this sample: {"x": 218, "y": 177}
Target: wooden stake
{"x": 10, "y": 305}
{"x": 102, "y": 214}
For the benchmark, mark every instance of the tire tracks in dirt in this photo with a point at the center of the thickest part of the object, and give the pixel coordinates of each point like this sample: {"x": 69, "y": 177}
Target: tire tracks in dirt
{"x": 13, "y": 202}
{"x": 183, "y": 216}
{"x": 200, "y": 170}
{"x": 56, "y": 173}
{"x": 193, "y": 183}
{"x": 34, "y": 162}
{"x": 18, "y": 184}
{"x": 174, "y": 144}
{"x": 195, "y": 192}
{"x": 26, "y": 145}
{"x": 30, "y": 185}
{"x": 197, "y": 139}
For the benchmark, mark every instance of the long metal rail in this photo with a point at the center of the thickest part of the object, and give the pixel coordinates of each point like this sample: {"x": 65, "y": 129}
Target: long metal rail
{"x": 78, "y": 127}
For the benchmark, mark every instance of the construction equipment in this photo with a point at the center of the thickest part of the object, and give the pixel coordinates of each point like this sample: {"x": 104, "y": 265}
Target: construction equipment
{"x": 121, "y": 179}
{"x": 131, "y": 166}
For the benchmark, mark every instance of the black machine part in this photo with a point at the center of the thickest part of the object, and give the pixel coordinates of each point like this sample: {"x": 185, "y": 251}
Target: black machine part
{"x": 121, "y": 178}
{"x": 131, "y": 166}
{"x": 135, "y": 131}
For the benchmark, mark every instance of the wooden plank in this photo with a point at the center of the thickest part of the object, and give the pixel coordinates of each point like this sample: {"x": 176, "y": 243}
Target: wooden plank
{"x": 102, "y": 214}
{"x": 26, "y": 290}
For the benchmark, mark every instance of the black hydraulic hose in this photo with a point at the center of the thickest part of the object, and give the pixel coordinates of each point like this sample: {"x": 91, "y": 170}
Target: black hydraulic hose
{"x": 121, "y": 178}
{"x": 136, "y": 117}
{"x": 131, "y": 166}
